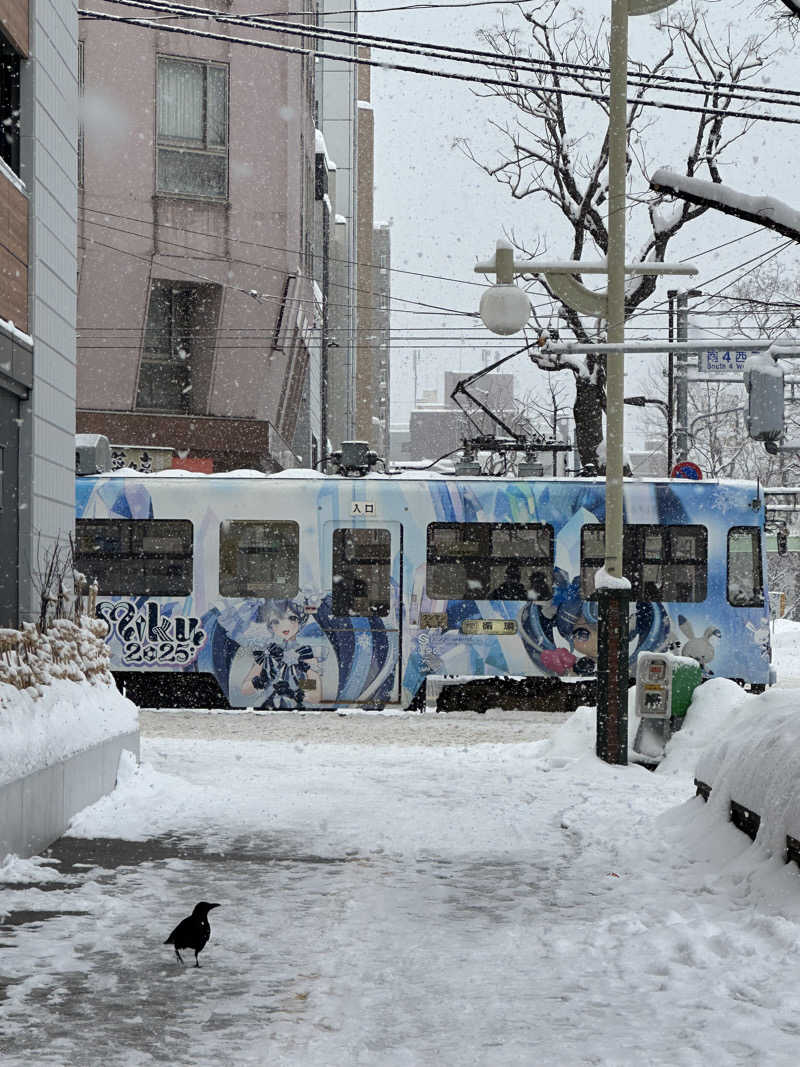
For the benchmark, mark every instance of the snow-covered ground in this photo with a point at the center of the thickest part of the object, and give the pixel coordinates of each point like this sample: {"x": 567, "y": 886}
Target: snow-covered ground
{"x": 389, "y": 898}
{"x": 406, "y": 889}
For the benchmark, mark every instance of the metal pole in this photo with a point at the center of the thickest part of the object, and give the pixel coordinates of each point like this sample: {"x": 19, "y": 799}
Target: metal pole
{"x": 682, "y": 405}
{"x": 612, "y": 673}
{"x": 682, "y": 375}
{"x": 671, "y": 382}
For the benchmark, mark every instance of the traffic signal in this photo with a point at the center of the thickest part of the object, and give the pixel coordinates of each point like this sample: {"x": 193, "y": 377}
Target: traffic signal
{"x": 763, "y": 379}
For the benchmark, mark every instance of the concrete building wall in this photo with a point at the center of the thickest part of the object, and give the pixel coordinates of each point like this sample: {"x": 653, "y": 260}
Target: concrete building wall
{"x": 365, "y": 299}
{"x": 251, "y": 247}
{"x": 341, "y": 354}
{"x": 382, "y": 297}
{"x": 48, "y": 167}
{"x": 337, "y": 118}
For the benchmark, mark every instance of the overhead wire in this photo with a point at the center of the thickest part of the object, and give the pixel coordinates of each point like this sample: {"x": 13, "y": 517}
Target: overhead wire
{"x": 588, "y": 72}
{"x": 272, "y": 248}
{"x": 204, "y": 233}
{"x": 428, "y": 72}
{"x": 268, "y": 297}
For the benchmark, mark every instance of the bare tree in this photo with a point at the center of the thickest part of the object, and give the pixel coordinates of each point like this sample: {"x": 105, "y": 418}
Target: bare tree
{"x": 762, "y": 305}
{"x": 555, "y": 149}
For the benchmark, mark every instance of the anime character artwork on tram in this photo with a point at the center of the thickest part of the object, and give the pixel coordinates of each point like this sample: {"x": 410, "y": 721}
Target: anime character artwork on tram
{"x": 275, "y": 592}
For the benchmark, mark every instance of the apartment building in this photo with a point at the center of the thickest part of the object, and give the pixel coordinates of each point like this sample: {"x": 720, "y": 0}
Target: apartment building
{"x": 38, "y": 154}
{"x": 197, "y": 314}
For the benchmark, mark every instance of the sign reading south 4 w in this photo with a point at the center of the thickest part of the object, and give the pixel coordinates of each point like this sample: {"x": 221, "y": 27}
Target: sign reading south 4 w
{"x": 722, "y": 361}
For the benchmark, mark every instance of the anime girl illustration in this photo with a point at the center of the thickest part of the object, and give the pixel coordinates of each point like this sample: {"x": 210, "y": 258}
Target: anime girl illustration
{"x": 285, "y": 670}
{"x": 561, "y": 636}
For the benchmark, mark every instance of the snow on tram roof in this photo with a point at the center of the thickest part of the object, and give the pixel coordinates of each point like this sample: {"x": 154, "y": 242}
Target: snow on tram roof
{"x": 406, "y": 474}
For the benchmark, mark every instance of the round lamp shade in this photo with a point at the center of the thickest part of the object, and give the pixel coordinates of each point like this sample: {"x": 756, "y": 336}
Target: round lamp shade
{"x": 505, "y": 309}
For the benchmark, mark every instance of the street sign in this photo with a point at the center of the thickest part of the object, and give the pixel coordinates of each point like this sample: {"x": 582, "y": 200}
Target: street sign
{"x": 721, "y": 361}
{"x": 686, "y": 469}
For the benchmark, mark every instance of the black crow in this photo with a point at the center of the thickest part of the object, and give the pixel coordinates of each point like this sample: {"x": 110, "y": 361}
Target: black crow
{"x": 192, "y": 932}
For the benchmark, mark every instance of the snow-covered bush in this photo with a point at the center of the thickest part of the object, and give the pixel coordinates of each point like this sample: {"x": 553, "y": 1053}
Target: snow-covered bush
{"x": 75, "y": 651}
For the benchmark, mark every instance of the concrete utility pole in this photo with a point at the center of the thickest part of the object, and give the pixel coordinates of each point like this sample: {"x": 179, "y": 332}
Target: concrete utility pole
{"x": 502, "y": 312}
{"x": 612, "y": 644}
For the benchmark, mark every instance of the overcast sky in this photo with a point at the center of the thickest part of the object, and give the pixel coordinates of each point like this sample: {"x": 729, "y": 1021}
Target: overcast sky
{"x": 446, "y": 213}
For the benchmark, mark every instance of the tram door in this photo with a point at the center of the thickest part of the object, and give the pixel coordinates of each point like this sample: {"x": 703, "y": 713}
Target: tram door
{"x": 364, "y": 565}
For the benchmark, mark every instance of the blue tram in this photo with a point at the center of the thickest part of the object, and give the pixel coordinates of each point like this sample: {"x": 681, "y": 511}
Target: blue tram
{"x": 302, "y": 590}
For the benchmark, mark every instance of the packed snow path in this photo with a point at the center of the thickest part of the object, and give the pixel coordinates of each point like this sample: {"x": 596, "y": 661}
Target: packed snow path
{"x": 474, "y": 897}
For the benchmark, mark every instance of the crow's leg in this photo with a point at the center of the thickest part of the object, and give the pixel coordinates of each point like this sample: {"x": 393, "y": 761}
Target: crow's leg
{"x": 180, "y": 958}
{"x": 196, "y": 960}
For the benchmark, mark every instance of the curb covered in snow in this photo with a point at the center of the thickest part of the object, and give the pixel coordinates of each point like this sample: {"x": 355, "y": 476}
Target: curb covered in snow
{"x": 36, "y": 809}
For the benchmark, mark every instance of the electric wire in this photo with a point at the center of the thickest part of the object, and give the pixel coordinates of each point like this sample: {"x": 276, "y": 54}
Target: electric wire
{"x": 427, "y": 72}
{"x": 256, "y": 244}
{"x": 260, "y": 297}
{"x": 203, "y": 233}
{"x": 473, "y": 55}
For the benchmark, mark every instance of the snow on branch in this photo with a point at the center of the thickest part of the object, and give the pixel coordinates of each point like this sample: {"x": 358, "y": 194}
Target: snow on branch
{"x": 763, "y": 210}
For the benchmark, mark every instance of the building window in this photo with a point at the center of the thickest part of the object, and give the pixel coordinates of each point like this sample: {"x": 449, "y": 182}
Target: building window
{"x": 136, "y": 557}
{"x": 259, "y": 559}
{"x": 745, "y": 580}
{"x": 9, "y": 105}
{"x": 664, "y": 563}
{"x": 192, "y": 143}
{"x": 490, "y": 561}
{"x": 180, "y": 319}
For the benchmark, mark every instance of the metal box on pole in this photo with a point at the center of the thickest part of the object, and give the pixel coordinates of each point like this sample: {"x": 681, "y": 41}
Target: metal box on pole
{"x": 665, "y": 684}
{"x": 763, "y": 379}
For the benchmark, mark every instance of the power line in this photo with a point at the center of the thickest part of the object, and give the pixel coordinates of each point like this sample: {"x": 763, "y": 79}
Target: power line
{"x": 427, "y": 72}
{"x": 267, "y": 298}
{"x": 473, "y": 55}
{"x": 271, "y": 248}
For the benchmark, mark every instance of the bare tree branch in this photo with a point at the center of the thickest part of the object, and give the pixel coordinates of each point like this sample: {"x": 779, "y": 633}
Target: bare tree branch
{"x": 555, "y": 149}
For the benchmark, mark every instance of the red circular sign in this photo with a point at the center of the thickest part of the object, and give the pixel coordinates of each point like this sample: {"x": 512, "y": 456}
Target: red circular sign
{"x": 686, "y": 469}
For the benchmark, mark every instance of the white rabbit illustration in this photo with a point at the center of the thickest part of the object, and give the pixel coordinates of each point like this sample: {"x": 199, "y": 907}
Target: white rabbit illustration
{"x": 699, "y": 648}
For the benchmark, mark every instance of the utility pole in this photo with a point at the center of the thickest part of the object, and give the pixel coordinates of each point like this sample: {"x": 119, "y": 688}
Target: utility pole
{"x": 681, "y": 376}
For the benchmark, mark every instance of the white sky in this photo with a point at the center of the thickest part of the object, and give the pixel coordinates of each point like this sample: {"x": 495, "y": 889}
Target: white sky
{"x": 446, "y": 213}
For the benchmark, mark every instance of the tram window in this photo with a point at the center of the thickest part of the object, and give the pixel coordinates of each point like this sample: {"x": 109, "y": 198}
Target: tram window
{"x": 258, "y": 558}
{"x": 362, "y": 565}
{"x": 666, "y": 563}
{"x": 489, "y": 561}
{"x": 745, "y": 579}
{"x": 136, "y": 557}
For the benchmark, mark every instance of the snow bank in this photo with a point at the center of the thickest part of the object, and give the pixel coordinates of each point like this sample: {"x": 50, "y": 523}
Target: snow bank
{"x": 67, "y": 718}
{"x": 786, "y": 648}
{"x": 756, "y": 763}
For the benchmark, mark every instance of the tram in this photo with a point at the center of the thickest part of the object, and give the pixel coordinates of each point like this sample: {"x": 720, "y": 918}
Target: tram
{"x": 304, "y": 590}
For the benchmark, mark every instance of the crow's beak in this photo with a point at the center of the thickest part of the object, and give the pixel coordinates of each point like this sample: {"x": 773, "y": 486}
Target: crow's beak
{"x": 210, "y": 906}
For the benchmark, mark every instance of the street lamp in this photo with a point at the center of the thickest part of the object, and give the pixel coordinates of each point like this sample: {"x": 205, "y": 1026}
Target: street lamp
{"x": 612, "y": 588}
{"x": 643, "y": 401}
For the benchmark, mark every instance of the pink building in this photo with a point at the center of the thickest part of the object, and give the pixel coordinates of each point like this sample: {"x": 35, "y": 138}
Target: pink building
{"x": 196, "y": 315}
